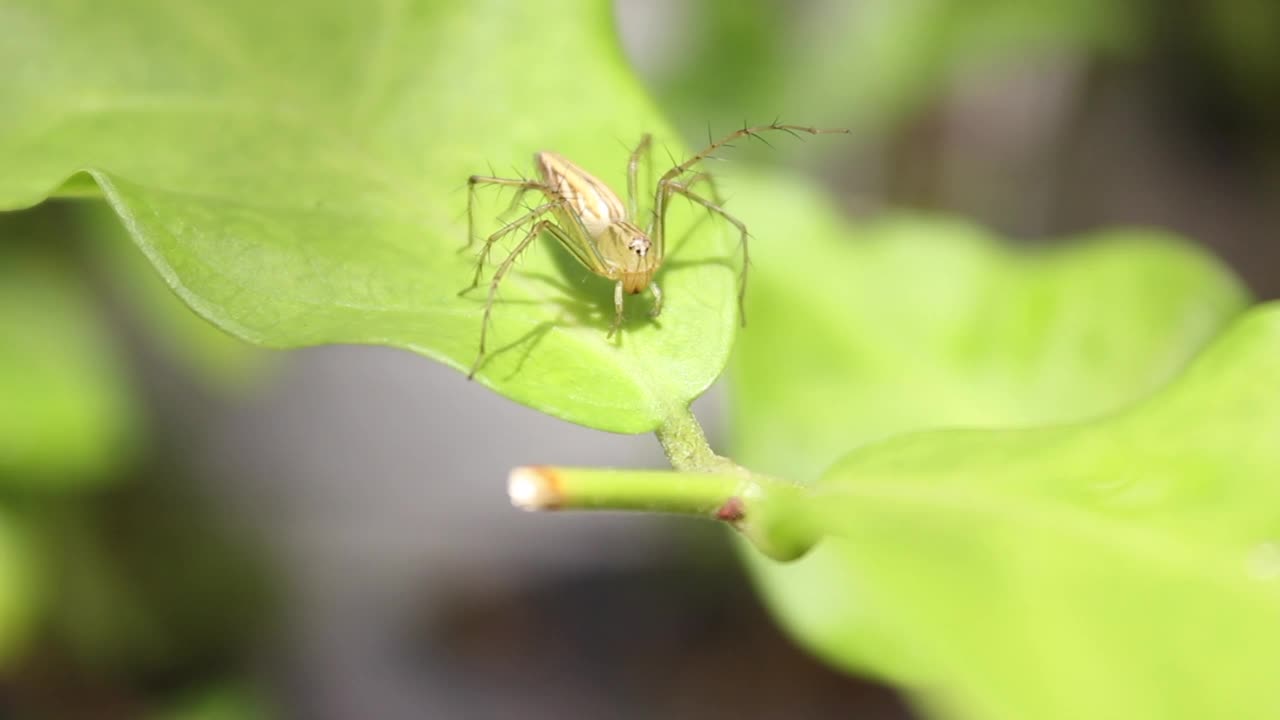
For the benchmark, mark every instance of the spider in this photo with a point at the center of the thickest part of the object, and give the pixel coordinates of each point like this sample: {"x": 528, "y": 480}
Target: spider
{"x": 593, "y": 225}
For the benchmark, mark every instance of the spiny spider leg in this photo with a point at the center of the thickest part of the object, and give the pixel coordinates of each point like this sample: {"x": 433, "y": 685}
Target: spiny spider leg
{"x": 503, "y": 232}
{"x": 710, "y": 180}
{"x": 501, "y": 272}
{"x": 670, "y": 187}
{"x": 683, "y": 167}
{"x": 474, "y": 180}
{"x": 669, "y": 177}
{"x": 706, "y": 177}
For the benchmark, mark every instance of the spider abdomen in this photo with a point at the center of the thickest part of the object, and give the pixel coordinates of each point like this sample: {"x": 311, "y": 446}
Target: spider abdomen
{"x": 591, "y": 200}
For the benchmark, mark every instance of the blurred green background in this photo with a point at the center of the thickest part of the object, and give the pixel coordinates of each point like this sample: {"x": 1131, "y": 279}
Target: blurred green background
{"x": 190, "y": 527}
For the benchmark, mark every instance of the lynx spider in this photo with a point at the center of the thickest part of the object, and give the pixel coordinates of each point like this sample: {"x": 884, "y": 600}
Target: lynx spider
{"x": 594, "y": 226}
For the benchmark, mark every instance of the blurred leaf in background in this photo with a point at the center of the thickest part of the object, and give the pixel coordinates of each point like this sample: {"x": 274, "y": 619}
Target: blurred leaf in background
{"x": 21, "y": 592}
{"x": 1127, "y": 567}
{"x": 865, "y": 331}
{"x": 872, "y": 328}
{"x": 69, "y": 410}
{"x": 226, "y": 701}
{"x": 930, "y": 323}
{"x": 68, "y": 416}
{"x": 104, "y": 589}
{"x": 868, "y": 64}
{"x": 152, "y": 586}
{"x": 1223, "y": 69}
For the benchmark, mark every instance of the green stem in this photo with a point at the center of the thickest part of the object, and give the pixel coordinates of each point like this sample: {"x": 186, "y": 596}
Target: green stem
{"x": 686, "y": 445}
{"x": 703, "y": 485}
{"x": 569, "y": 488}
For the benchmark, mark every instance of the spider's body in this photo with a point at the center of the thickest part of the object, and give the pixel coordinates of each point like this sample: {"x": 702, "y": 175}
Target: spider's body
{"x": 594, "y": 226}
{"x": 586, "y": 201}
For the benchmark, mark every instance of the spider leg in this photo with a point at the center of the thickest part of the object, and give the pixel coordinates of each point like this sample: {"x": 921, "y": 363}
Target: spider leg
{"x": 503, "y": 232}
{"x": 476, "y": 180}
{"x": 645, "y": 148}
{"x": 657, "y": 299}
{"x": 669, "y": 188}
{"x": 663, "y": 191}
{"x": 497, "y": 280}
{"x": 617, "y": 308}
{"x": 710, "y": 180}
{"x": 711, "y": 147}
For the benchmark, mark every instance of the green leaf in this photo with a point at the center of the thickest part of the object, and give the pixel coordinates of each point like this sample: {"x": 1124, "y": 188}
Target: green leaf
{"x": 895, "y": 56}
{"x": 19, "y": 586}
{"x": 909, "y": 321}
{"x": 861, "y": 332}
{"x": 222, "y": 360}
{"x": 297, "y": 170}
{"x": 134, "y": 570}
{"x": 758, "y": 57}
{"x": 67, "y": 415}
{"x": 1125, "y": 568}
{"x": 228, "y": 700}
{"x": 734, "y": 62}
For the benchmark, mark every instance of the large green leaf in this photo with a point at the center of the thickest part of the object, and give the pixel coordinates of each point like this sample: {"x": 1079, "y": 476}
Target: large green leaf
{"x": 1122, "y": 568}
{"x": 296, "y": 171}
{"x": 187, "y": 340}
{"x": 861, "y": 332}
{"x": 67, "y": 415}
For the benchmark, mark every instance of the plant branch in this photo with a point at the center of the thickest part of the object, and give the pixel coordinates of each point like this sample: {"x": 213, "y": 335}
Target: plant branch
{"x": 704, "y": 484}
{"x": 687, "y": 448}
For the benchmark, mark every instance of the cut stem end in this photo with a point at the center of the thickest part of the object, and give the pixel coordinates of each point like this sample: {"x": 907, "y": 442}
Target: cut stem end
{"x": 534, "y": 488}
